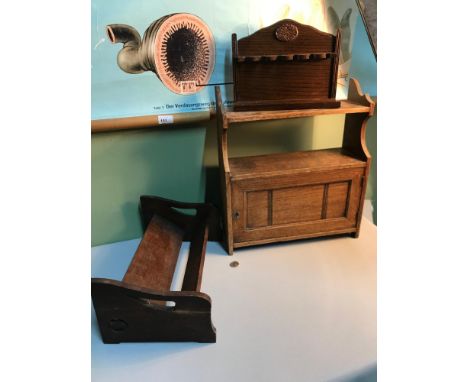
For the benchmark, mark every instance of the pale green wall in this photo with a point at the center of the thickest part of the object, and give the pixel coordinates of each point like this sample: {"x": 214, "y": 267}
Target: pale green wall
{"x": 126, "y": 165}
{"x": 171, "y": 163}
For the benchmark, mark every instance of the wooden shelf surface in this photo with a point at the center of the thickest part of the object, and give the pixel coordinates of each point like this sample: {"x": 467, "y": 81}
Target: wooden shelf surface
{"x": 299, "y": 161}
{"x": 347, "y": 107}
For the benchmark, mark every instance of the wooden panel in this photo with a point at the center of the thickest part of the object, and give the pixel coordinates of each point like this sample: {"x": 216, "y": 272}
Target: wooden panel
{"x": 286, "y": 61}
{"x": 341, "y": 226}
{"x": 337, "y": 200}
{"x": 257, "y": 209}
{"x": 293, "y": 104}
{"x": 300, "y": 211}
{"x": 225, "y": 180}
{"x": 131, "y": 314}
{"x": 312, "y": 228}
{"x": 297, "y": 204}
{"x": 283, "y": 80}
{"x": 309, "y": 39}
{"x": 154, "y": 262}
{"x": 287, "y": 163}
{"x": 237, "y": 217}
{"x": 304, "y": 178}
{"x": 347, "y": 107}
{"x": 196, "y": 260}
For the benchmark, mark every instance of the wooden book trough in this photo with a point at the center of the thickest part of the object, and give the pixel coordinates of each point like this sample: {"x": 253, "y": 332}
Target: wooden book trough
{"x": 141, "y": 307}
{"x": 287, "y": 65}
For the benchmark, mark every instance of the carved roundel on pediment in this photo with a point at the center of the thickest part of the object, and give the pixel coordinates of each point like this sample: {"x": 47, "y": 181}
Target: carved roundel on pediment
{"x": 286, "y": 32}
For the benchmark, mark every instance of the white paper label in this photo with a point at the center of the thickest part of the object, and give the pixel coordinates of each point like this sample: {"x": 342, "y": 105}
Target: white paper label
{"x": 162, "y": 119}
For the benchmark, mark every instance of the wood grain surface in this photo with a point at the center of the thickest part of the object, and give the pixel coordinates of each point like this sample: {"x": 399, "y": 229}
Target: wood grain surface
{"x": 155, "y": 260}
{"x": 347, "y": 107}
{"x": 287, "y": 65}
{"x": 136, "y": 309}
{"x": 296, "y": 195}
{"x": 293, "y": 162}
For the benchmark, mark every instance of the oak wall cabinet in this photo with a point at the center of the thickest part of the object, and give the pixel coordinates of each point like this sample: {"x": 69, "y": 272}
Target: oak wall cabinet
{"x": 296, "y": 195}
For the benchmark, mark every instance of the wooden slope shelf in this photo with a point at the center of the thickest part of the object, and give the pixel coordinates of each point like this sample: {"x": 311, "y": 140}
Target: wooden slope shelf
{"x": 136, "y": 309}
{"x": 289, "y": 196}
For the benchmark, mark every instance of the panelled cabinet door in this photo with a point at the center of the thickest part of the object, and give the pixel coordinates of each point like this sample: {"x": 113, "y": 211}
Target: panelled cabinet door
{"x": 296, "y": 205}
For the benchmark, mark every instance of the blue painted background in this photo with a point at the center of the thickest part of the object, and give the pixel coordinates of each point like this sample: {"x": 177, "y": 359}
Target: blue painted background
{"x": 119, "y": 94}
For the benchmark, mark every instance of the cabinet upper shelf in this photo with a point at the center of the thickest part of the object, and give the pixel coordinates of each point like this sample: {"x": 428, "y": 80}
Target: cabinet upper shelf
{"x": 357, "y": 102}
{"x": 347, "y": 107}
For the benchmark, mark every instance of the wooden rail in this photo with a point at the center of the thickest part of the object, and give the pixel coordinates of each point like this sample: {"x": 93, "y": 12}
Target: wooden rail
{"x": 149, "y": 121}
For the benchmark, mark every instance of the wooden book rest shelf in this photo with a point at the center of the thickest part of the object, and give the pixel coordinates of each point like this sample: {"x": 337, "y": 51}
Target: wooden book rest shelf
{"x": 135, "y": 309}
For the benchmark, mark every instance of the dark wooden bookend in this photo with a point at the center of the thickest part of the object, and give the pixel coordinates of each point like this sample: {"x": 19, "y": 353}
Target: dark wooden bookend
{"x": 287, "y": 65}
{"x": 141, "y": 307}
